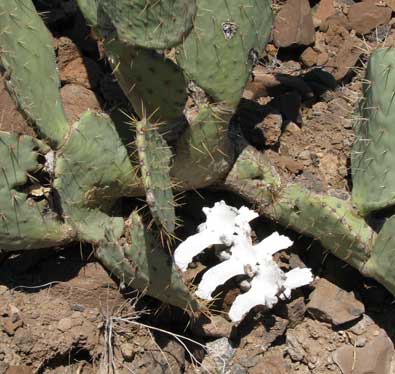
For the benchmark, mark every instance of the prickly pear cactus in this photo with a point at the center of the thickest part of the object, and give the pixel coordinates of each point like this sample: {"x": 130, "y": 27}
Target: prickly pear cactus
{"x": 138, "y": 262}
{"x": 151, "y": 82}
{"x": 381, "y": 263}
{"x": 332, "y": 221}
{"x": 226, "y": 40}
{"x": 213, "y": 44}
{"x": 216, "y": 56}
{"x": 87, "y": 170}
{"x": 373, "y": 153}
{"x": 28, "y": 57}
{"x": 190, "y": 74}
{"x": 150, "y": 23}
{"x": 92, "y": 170}
{"x": 205, "y": 144}
{"x": 155, "y": 157}
{"x": 154, "y": 50}
{"x": 24, "y": 222}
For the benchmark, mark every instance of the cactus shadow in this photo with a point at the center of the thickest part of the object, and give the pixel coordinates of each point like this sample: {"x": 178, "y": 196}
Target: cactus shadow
{"x": 34, "y": 270}
{"x": 288, "y": 95}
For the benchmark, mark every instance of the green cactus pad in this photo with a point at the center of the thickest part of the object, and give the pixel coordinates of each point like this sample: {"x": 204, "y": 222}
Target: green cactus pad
{"x": 149, "y": 80}
{"x": 150, "y": 23}
{"x": 155, "y": 156}
{"x": 137, "y": 262}
{"x": 88, "y": 9}
{"x": 330, "y": 220}
{"x": 24, "y": 222}
{"x": 381, "y": 263}
{"x": 28, "y": 58}
{"x": 373, "y": 152}
{"x": 92, "y": 171}
{"x": 204, "y": 153}
{"x": 216, "y": 53}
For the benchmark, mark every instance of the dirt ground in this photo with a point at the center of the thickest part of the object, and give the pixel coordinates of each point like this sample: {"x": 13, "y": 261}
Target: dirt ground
{"x": 60, "y": 312}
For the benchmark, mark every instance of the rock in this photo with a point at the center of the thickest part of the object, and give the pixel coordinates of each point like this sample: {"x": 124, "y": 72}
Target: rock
{"x": 175, "y": 355}
{"x": 77, "y": 100}
{"x": 322, "y": 58}
{"x": 14, "y": 313}
{"x": 271, "y": 128}
{"x": 19, "y": 370}
{"x": 237, "y": 369}
{"x": 325, "y": 9}
{"x": 293, "y": 166}
{"x": 335, "y": 20}
{"x": 373, "y": 358}
{"x": 3, "y": 367}
{"x": 77, "y": 307}
{"x": 65, "y": 324}
{"x": 294, "y": 24}
{"x": 305, "y": 156}
{"x": 83, "y": 71}
{"x": 272, "y": 363}
{"x": 345, "y": 59}
{"x": 379, "y": 34}
{"x": 66, "y": 51}
{"x": 292, "y": 129}
{"x": 8, "y": 327}
{"x": 266, "y": 331}
{"x": 294, "y": 348}
{"x": 332, "y": 165}
{"x": 260, "y": 85}
{"x": 10, "y": 118}
{"x": 309, "y": 57}
{"x": 128, "y": 351}
{"x": 390, "y": 4}
{"x": 318, "y": 109}
{"x": 24, "y": 340}
{"x": 362, "y": 326}
{"x": 340, "y": 106}
{"x": 329, "y": 303}
{"x": 365, "y": 16}
{"x": 162, "y": 355}
{"x": 265, "y": 84}
{"x": 220, "y": 353}
{"x": 215, "y": 327}
{"x": 311, "y": 343}
{"x": 296, "y": 310}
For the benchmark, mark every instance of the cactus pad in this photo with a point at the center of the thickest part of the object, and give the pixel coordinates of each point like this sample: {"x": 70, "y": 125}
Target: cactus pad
{"x": 150, "y": 23}
{"x": 219, "y": 52}
{"x": 155, "y": 156}
{"x": 138, "y": 263}
{"x": 381, "y": 264}
{"x": 24, "y": 222}
{"x": 373, "y": 153}
{"x": 332, "y": 221}
{"x": 92, "y": 171}
{"x": 28, "y": 58}
{"x": 89, "y": 10}
{"x": 204, "y": 153}
{"x": 149, "y": 80}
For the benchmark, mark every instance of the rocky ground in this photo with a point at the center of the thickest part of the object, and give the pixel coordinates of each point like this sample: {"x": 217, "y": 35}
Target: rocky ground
{"x": 60, "y": 312}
